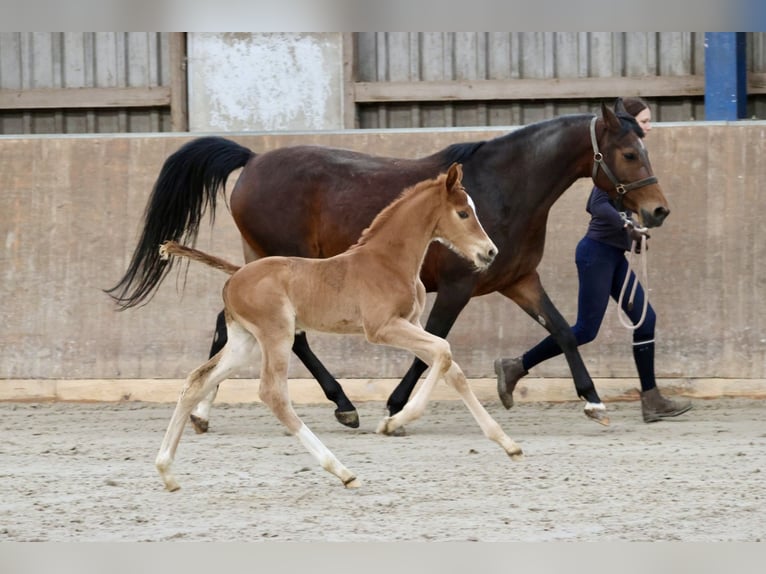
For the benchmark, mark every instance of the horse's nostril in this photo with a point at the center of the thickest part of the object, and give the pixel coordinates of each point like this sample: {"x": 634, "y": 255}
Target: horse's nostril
{"x": 491, "y": 253}
{"x": 661, "y": 212}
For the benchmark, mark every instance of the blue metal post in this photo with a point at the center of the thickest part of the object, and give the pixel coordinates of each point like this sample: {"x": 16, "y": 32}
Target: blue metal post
{"x": 725, "y": 76}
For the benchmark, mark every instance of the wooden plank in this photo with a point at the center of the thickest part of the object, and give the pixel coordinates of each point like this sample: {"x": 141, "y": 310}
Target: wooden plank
{"x": 528, "y": 89}
{"x": 85, "y": 98}
{"x": 540, "y": 89}
{"x": 348, "y": 105}
{"x": 306, "y": 391}
{"x": 179, "y": 102}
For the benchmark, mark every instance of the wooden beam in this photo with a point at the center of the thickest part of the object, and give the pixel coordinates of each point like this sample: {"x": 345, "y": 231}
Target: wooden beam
{"x": 529, "y": 89}
{"x": 756, "y": 84}
{"x": 53, "y": 98}
{"x": 541, "y": 89}
{"x": 348, "y": 103}
{"x": 179, "y": 101}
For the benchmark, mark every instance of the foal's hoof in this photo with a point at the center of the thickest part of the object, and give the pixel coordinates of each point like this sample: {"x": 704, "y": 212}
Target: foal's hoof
{"x": 597, "y": 412}
{"x": 200, "y": 425}
{"x": 516, "y": 455}
{"x": 385, "y": 427}
{"x": 348, "y": 418}
{"x": 352, "y": 483}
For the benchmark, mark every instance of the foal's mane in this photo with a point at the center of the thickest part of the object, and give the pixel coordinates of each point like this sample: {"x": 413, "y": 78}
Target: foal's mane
{"x": 382, "y": 217}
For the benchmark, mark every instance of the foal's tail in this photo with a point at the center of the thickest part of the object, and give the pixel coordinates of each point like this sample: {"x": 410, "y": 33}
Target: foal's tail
{"x": 174, "y": 248}
{"x": 189, "y": 181}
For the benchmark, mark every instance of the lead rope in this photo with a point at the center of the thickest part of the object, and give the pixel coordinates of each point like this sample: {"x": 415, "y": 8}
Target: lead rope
{"x": 644, "y": 281}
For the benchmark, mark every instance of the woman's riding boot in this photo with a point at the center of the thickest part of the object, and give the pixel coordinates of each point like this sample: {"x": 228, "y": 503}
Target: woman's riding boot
{"x": 508, "y": 372}
{"x": 655, "y": 407}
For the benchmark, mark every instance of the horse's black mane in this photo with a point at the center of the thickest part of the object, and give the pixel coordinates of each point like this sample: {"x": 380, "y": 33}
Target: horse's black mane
{"x": 460, "y": 152}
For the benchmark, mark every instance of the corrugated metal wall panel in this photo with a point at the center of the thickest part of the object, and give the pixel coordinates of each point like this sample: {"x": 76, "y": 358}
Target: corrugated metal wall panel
{"x": 433, "y": 56}
{"x": 83, "y": 60}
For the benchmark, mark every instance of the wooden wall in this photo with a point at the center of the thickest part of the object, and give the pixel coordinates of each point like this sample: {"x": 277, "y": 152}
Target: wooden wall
{"x": 439, "y": 79}
{"x": 89, "y": 82}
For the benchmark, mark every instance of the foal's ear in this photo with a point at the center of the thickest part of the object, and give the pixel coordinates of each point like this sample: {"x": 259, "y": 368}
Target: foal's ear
{"x": 610, "y": 118}
{"x": 454, "y": 175}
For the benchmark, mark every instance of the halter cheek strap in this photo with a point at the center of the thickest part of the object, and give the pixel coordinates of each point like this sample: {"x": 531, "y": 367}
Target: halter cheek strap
{"x": 598, "y": 162}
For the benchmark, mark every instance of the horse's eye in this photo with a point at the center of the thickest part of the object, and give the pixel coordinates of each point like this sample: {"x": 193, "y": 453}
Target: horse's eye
{"x": 630, "y": 156}
{"x": 462, "y": 214}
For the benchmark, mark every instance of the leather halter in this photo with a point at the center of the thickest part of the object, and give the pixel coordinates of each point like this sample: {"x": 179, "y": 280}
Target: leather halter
{"x": 598, "y": 161}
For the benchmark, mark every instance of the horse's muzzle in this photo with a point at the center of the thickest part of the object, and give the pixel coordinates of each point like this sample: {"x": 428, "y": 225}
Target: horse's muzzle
{"x": 654, "y": 218}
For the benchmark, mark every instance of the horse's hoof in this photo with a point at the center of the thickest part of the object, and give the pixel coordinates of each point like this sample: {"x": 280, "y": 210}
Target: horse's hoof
{"x": 348, "y": 418}
{"x": 597, "y": 412}
{"x": 200, "y": 425}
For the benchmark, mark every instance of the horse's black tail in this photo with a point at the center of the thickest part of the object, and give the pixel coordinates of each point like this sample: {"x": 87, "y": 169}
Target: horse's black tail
{"x": 188, "y": 183}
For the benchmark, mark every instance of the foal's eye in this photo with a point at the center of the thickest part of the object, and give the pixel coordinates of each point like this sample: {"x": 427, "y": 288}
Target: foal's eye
{"x": 462, "y": 214}
{"x": 630, "y": 156}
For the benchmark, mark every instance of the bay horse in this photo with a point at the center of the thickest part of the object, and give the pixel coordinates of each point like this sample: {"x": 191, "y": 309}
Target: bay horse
{"x": 373, "y": 288}
{"x": 314, "y": 201}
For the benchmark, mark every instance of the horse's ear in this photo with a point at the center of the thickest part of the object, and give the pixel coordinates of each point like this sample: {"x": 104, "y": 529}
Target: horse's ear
{"x": 619, "y": 107}
{"x": 610, "y": 118}
{"x": 454, "y": 175}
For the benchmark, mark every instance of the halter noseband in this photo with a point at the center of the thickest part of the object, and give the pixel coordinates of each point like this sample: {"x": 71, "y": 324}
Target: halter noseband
{"x": 598, "y": 161}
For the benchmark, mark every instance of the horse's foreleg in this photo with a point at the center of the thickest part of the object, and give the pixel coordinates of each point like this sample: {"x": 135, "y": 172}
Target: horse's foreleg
{"x": 489, "y": 426}
{"x": 274, "y": 393}
{"x": 200, "y": 417}
{"x": 530, "y": 296}
{"x": 345, "y": 412}
{"x": 429, "y": 348}
{"x": 199, "y": 383}
{"x": 448, "y": 304}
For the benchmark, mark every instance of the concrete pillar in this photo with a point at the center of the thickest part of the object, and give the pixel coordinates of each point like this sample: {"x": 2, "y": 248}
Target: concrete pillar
{"x": 265, "y": 81}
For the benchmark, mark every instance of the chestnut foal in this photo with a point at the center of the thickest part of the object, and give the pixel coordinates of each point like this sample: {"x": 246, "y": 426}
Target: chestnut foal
{"x": 373, "y": 288}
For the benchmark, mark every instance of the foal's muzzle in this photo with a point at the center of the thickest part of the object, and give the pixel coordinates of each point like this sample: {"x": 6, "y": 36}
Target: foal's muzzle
{"x": 486, "y": 258}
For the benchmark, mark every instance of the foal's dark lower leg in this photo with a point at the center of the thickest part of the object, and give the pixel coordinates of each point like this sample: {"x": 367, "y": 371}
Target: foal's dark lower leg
{"x": 345, "y": 412}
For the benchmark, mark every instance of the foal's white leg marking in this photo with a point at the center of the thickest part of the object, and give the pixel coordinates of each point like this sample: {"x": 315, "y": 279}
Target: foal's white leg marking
{"x": 326, "y": 458}
{"x": 432, "y": 350}
{"x": 489, "y": 426}
{"x": 416, "y": 406}
{"x": 200, "y": 382}
{"x": 276, "y": 344}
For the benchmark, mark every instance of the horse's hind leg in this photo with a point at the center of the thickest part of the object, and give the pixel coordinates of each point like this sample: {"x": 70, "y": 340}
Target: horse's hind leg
{"x": 345, "y": 412}
{"x": 199, "y": 383}
{"x": 489, "y": 426}
{"x": 200, "y": 417}
{"x": 275, "y": 355}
